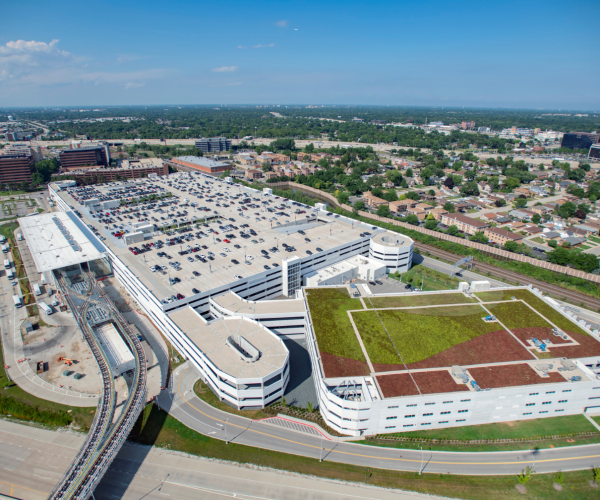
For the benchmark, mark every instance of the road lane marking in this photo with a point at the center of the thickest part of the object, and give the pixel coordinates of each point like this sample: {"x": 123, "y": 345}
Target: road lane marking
{"x": 371, "y": 456}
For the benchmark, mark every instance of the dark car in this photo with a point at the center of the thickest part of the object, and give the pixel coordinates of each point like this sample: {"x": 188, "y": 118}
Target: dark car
{"x": 195, "y": 290}
{"x": 195, "y": 273}
{"x": 319, "y": 249}
{"x": 234, "y": 261}
{"x": 266, "y": 267}
{"x": 309, "y": 252}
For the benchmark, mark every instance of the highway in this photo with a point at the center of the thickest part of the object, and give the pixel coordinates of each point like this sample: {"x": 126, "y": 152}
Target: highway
{"x": 32, "y": 460}
{"x": 181, "y": 402}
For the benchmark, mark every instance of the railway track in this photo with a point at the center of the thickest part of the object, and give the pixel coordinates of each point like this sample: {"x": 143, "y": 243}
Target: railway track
{"x": 554, "y": 290}
{"x": 105, "y": 438}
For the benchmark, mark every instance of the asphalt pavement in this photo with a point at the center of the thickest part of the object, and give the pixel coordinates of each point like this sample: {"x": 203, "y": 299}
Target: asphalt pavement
{"x": 181, "y": 402}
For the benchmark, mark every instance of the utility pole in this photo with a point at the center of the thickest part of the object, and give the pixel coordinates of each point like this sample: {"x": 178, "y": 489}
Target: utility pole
{"x": 422, "y": 460}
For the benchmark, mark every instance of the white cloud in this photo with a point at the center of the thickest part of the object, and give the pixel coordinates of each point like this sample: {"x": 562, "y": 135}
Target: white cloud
{"x": 261, "y": 46}
{"x": 21, "y": 57}
{"x": 134, "y": 85}
{"x": 40, "y": 64}
{"x": 225, "y": 69}
{"x": 281, "y": 24}
{"x": 242, "y": 47}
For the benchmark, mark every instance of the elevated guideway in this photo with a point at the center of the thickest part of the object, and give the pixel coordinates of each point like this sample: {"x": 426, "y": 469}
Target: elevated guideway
{"x": 106, "y": 436}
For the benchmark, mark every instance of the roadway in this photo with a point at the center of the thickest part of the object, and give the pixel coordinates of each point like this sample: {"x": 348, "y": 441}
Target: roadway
{"x": 181, "y": 402}
{"x": 32, "y": 460}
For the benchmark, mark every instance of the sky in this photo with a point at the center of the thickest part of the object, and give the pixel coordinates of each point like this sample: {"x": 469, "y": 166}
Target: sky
{"x": 513, "y": 54}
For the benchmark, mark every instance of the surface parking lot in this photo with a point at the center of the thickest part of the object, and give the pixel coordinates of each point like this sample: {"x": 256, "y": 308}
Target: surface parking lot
{"x": 208, "y": 233}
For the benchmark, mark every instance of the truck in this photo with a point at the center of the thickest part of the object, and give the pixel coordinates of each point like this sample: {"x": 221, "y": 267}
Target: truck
{"x": 17, "y": 301}
{"x": 45, "y": 307}
{"x": 9, "y": 274}
{"x": 5, "y": 248}
{"x": 6, "y": 264}
{"x": 20, "y": 237}
{"x": 36, "y": 289}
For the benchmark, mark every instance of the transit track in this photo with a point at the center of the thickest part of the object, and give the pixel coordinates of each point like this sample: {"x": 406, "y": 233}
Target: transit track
{"x": 554, "y": 290}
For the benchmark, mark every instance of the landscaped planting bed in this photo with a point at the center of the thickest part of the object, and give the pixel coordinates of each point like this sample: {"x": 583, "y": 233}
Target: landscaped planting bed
{"x": 491, "y": 377}
{"x": 434, "y": 382}
{"x": 418, "y": 300}
{"x": 334, "y": 332}
{"x": 419, "y": 334}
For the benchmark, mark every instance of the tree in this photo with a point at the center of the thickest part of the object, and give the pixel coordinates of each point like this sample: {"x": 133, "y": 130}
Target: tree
{"x": 479, "y": 237}
{"x": 394, "y": 176}
{"x": 359, "y": 205}
{"x": 567, "y": 210}
{"x": 512, "y": 182}
{"x": 575, "y": 190}
{"x": 412, "y": 219}
{"x": 282, "y": 144}
{"x": 343, "y": 197}
{"x": 520, "y": 202}
{"x": 411, "y": 195}
{"x": 536, "y": 218}
{"x": 409, "y": 172}
{"x": 500, "y": 203}
{"x": 266, "y": 167}
{"x": 584, "y": 207}
{"x": 309, "y": 148}
{"x": 383, "y": 211}
{"x": 453, "y": 230}
{"x": 580, "y": 214}
{"x": 470, "y": 189}
{"x": 552, "y": 243}
{"x": 511, "y": 246}
{"x": 431, "y": 224}
{"x": 449, "y": 182}
{"x": 449, "y": 207}
{"x": 431, "y": 192}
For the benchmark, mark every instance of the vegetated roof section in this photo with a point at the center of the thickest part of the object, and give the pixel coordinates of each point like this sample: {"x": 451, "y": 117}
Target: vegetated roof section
{"x": 211, "y": 339}
{"x": 494, "y": 347}
{"x": 338, "y": 366}
{"x": 516, "y": 314}
{"x": 55, "y": 241}
{"x": 430, "y": 382}
{"x": 332, "y": 326}
{"x": 231, "y": 301}
{"x": 416, "y": 300}
{"x": 493, "y": 377}
{"x": 419, "y": 334}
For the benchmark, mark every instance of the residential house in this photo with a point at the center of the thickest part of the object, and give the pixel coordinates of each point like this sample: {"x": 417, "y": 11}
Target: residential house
{"x": 542, "y": 209}
{"x": 522, "y": 191}
{"x": 461, "y": 206}
{"x": 522, "y": 214}
{"x": 550, "y": 235}
{"x": 489, "y": 217}
{"x": 573, "y": 240}
{"x": 531, "y": 229}
{"x": 591, "y": 228}
{"x": 464, "y": 223}
{"x": 420, "y": 210}
{"x": 501, "y": 236}
{"x": 270, "y": 175}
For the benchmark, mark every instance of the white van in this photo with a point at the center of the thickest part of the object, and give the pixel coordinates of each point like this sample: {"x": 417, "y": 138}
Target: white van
{"x": 45, "y": 307}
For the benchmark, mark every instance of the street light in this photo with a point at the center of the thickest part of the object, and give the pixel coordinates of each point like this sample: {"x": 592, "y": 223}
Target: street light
{"x": 422, "y": 460}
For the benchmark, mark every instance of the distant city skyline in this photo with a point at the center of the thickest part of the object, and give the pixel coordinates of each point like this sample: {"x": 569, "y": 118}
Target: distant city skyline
{"x": 515, "y": 55}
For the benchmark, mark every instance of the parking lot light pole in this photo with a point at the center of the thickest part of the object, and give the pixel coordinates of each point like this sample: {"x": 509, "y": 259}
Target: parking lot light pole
{"x": 422, "y": 460}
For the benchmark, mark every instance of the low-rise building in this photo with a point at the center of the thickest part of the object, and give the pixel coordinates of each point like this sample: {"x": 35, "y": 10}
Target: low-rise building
{"x": 501, "y": 236}
{"x": 464, "y": 223}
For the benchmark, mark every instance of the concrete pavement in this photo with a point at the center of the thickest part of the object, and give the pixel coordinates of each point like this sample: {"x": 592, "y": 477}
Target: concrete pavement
{"x": 11, "y": 319}
{"x": 181, "y": 402}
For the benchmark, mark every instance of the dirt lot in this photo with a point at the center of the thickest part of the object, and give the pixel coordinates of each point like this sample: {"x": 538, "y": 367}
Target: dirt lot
{"x": 39, "y": 333}
{"x": 491, "y": 377}
{"x": 434, "y": 382}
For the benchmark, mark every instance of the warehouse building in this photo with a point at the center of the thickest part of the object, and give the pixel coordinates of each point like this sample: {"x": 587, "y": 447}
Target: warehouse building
{"x": 204, "y": 165}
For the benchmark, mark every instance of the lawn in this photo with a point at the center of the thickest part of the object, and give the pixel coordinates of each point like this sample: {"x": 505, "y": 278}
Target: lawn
{"x": 537, "y": 239}
{"x": 155, "y": 427}
{"x": 418, "y": 300}
{"x": 419, "y": 334}
{"x": 428, "y": 279}
{"x": 519, "y": 429}
{"x": 594, "y": 239}
{"x": 331, "y": 323}
{"x": 515, "y": 314}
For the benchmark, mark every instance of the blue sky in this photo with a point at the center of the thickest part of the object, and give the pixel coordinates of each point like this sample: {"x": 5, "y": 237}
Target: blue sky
{"x": 527, "y": 54}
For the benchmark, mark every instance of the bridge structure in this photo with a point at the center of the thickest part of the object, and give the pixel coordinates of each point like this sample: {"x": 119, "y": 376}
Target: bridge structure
{"x": 109, "y": 429}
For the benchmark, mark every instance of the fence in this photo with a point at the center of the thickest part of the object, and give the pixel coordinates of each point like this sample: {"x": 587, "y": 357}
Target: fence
{"x": 446, "y": 237}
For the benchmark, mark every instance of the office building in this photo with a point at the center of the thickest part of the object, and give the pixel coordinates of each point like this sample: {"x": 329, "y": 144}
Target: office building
{"x": 16, "y": 168}
{"x": 579, "y": 140}
{"x": 86, "y": 157}
{"x": 594, "y": 152}
{"x": 213, "y": 145}
{"x": 199, "y": 164}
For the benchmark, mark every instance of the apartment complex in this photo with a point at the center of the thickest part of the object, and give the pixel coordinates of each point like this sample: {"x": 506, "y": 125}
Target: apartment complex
{"x": 501, "y": 236}
{"x": 464, "y": 223}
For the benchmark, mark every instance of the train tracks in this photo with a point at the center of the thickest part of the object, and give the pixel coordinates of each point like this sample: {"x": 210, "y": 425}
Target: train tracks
{"x": 105, "y": 437}
{"x": 514, "y": 277}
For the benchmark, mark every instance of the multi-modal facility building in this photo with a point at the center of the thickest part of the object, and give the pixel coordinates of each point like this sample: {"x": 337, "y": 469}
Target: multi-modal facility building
{"x": 229, "y": 274}
{"x": 213, "y": 252}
